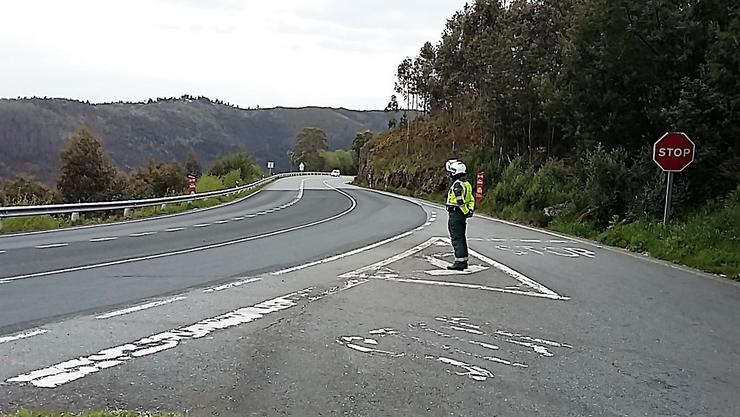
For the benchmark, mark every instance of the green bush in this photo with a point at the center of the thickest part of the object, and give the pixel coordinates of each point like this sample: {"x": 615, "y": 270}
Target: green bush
{"x": 20, "y": 224}
{"x": 208, "y": 183}
{"x": 229, "y": 180}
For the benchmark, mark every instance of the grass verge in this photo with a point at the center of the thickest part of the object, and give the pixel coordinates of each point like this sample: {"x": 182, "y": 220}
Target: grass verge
{"x": 708, "y": 240}
{"x": 40, "y": 223}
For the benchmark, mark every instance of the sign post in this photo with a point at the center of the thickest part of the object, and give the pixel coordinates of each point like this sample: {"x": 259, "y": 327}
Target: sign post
{"x": 479, "y": 180}
{"x": 673, "y": 153}
{"x": 270, "y": 166}
{"x": 301, "y": 166}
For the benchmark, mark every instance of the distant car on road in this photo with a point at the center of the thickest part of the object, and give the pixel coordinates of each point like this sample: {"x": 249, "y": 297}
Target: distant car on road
{"x": 335, "y": 173}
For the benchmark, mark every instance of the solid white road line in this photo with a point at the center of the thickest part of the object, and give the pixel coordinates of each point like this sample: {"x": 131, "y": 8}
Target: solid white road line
{"x": 474, "y": 287}
{"x": 139, "y": 308}
{"x": 52, "y": 245}
{"x": 103, "y": 239}
{"x": 142, "y": 234}
{"x": 23, "y": 335}
{"x": 191, "y": 250}
{"x": 174, "y": 229}
{"x": 232, "y": 285}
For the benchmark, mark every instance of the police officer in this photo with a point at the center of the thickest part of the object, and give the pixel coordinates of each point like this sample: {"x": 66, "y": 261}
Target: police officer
{"x": 460, "y": 205}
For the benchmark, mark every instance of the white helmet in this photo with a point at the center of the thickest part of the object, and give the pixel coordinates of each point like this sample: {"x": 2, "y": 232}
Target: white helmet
{"x": 455, "y": 167}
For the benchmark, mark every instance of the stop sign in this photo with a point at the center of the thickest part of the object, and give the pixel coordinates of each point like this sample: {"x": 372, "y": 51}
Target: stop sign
{"x": 674, "y": 152}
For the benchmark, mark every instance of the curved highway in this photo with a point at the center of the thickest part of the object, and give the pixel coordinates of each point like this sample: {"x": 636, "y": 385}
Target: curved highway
{"x": 317, "y": 298}
{"x": 47, "y": 275}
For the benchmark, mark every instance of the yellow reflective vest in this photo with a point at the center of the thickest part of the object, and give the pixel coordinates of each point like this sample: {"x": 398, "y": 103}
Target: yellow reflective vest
{"x": 461, "y": 196}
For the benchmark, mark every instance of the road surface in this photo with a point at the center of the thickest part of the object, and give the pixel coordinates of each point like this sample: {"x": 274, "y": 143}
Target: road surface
{"x": 314, "y": 297}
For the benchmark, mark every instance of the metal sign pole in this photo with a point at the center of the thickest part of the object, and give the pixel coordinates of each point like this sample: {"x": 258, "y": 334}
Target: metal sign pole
{"x": 668, "y": 195}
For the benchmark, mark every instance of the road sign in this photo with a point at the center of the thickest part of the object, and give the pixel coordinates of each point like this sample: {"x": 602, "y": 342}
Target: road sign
{"x": 191, "y": 184}
{"x": 270, "y": 165}
{"x": 301, "y": 167}
{"x": 674, "y": 152}
{"x": 480, "y": 178}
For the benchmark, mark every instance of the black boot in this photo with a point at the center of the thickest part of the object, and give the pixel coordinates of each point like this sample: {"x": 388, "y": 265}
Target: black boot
{"x": 458, "y": 266}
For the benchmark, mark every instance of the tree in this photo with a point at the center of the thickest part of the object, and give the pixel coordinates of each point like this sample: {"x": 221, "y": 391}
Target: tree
{"x": 361, "y": 138}
{"x": 192, "y": 166}
{"x": 392, "y": 107}
{"x": 309, "y": 144}
{"x": 236, "y": 161}
{"x": 158, "y": 179}
{"x": 87, "y": 173}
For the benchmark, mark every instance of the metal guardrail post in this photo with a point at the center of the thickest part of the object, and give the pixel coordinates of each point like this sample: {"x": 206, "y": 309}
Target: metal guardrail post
{"x": 127, "y": 212}
{"x": 75, "y": 216}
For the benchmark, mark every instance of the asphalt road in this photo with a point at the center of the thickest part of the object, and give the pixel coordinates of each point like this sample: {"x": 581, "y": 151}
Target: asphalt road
{"x": 325, "y": 313}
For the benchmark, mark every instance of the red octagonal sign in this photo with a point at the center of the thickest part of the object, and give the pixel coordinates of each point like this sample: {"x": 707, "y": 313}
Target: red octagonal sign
{"x": 674, "y": 152}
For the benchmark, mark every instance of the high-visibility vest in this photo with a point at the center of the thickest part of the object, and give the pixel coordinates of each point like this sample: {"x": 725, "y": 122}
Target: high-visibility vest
{"x": 461, "y": 195}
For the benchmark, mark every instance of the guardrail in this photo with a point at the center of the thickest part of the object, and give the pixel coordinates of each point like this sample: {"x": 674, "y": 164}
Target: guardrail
{"x": 127, "y": 205}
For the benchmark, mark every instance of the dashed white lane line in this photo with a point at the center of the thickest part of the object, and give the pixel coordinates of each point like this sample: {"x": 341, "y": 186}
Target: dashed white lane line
{"x": 2, "y": 252}
{"x": 261, "y": 213}
{"x": 23, "y": 335}
{"x": 142, "y": 234}
{"x": 249, "y": 216}
{"x": 139, "y": 307}
{"x": 221, "y": 221}
{"x": 103, "y": 239}
{"x": 201, "y": 225}
{"x": 174, "y": 229}
{"x": 237, "y": 219}
{"x": 52, "y": 245}
{"x": 232, "y": 285}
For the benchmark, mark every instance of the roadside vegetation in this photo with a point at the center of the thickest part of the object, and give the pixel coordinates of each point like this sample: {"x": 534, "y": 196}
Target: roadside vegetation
{"x": 559, "y": 103}
{"x": 87, "y": 174}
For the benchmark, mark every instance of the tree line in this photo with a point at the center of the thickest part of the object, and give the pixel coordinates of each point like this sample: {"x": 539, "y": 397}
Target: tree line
{"x": 88, "y": 174}
{"x": 311, "y": 148}
{"x": 588, "y": 85}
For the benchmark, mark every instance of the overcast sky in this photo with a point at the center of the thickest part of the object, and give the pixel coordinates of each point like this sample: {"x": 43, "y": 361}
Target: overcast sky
{"x": 247, "y": 52}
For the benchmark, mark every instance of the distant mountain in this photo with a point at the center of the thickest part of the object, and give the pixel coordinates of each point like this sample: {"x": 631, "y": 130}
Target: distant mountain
{"x": 33, "y": 131}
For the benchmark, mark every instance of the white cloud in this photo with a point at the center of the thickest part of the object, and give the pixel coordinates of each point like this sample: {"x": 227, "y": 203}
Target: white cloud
{"x": 251, "y": 52}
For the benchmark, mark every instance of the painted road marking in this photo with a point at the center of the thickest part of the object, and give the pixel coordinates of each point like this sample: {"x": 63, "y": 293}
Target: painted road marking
{"x": 221, "y": 221}
{"x": 174, "y": 229}
{"x": 191, "y": 250}
{"x": 370, "y": 271}
{"x": 232, "y": 285}
{"x": 2, "y": 252}
{"x": 261, "y": 213}
{"x": 71, "y": 370}
{"x": 142, "y": 234}
{"x": 23, "y": 335}
{"x": 251, "y": 216}
{"x": 201, "y": 225}
{"x": 104, "y": 239}
{"x": 52, "y": 245}
{"x": 237, "y": 219}
{"x": 139, "y": 308}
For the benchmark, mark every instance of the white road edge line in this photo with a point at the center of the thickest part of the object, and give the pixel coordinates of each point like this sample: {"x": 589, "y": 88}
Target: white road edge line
{"x": 139, "y": 308}
{"x": 191, "y": 250}
{"x": 52, "y": 245}
{"x": 23, "y": 335}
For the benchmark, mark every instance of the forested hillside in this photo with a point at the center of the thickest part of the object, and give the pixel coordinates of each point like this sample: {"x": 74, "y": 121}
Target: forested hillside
{"x": 34, "y": 131}
{"x": 560, "y": 101}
